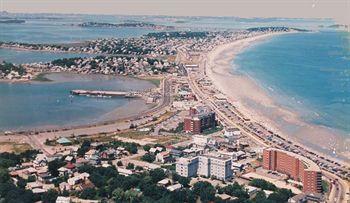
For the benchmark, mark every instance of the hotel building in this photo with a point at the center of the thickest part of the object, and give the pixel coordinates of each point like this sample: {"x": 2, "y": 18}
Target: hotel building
{"x": 199, "y": 119}
{"x": 297, "y": 167}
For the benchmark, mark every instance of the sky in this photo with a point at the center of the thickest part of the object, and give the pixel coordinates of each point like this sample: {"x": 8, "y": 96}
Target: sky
{"x": 339, "y": 10}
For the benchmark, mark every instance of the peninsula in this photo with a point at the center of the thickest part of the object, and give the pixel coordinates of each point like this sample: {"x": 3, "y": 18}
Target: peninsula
{"x": 200, "y": 141}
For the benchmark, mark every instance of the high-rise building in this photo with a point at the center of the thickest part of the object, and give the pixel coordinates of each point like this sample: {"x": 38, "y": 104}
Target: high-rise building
{"x": 296, "y": 166}
{"x": 199, "y": 119}
{"x": 187, "y": 167}
{"x": 219, "y": 167}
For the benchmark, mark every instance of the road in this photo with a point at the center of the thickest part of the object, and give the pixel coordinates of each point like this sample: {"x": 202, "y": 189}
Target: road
{"x": 266, "y": 138}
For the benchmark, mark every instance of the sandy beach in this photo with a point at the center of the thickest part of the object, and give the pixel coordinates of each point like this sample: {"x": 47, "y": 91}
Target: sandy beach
{"x": 254, "y": 102}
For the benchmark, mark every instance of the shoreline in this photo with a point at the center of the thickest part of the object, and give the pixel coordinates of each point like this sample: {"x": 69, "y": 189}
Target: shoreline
{"x": 255, "y": 102}
{"x": 132, "y": 108}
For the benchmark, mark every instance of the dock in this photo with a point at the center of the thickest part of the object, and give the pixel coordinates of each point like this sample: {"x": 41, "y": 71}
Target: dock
{"x": 105, "y": 94}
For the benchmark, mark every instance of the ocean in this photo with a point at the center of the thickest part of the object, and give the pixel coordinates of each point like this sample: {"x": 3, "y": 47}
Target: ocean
{"x": 21, "y": 57}
{"x": 306, "y": 72}
{"x": 35, "y": 104}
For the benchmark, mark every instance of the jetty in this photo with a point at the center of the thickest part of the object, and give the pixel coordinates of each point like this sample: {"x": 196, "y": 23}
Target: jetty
{"x": 105, "y": 94}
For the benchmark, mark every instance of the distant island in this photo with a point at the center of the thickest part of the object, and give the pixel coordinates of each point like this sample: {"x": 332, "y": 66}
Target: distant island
{"x": 130, "y": 24}
{"x": 339, "y": 26}
{"x": 12, "y": 21}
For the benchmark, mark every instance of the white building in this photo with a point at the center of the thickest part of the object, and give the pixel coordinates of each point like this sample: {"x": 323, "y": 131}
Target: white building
{"x": 61, "y": 199}
{"x": 217, "y": 166}
{"x": 201, "y": 140}
{"x": 187, "y": 167}
{"x": 232, "y": 134}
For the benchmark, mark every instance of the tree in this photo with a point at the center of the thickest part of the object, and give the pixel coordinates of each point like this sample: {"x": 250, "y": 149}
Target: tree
{"x": 138, "y": 168}
{"x": 263, "y": 184}
{"x": 118, "y": 195}
{"x": 157, "y": 174}
{"x": 131, "y": 147}
{"x": 325, "y": 186}
{"x": 119, "y": 163}
{"x": 205, "y": 191}
{"x": 21, "y": 183}
{"x": 259, "y": 197}
{"x": 131, "y": 196}
{"x": 132, "y": 126}
{"x": 146, "y": 148}
{"x": 148, "y": 157}
{"x": 281, "y": 195}
{"x": 4, "y": 175}
{"x": 53, "y": 167}
{"x": 88, "y": 193}
{"x": 85, "y": 146}
{"x": 236, "y": 190}
{"x": 49, "y": 196}
{"x": 130, "y": 166}
{"x": 184, "y": 181}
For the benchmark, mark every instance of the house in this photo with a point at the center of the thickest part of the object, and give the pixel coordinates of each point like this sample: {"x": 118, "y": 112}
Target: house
{"x": 251, "y": 190}
{"x": 306, "y": 197}
{"x": 163, "y": 157}
{"x": 176, "y": 153}
{"x": 33, "y": 185}
{"x": 200, "y": 140}
{"x": 69, "y": 158}
{"x": 64, "y": 141}
{"x": 40, "y": 160}
{"x": 226, "y": 197}
{"x": 38, "y": 190}
{"x": 89, "y": 154}
{"x": 124, "y": 172}
{"x": 175, "y": 187}
{"x": 155, "y": 150}
{"x": 165, "y": 182}
{"x": 78, "y": 178}
{"x": 61, "y": 199}
{"x": 63, "y": 171}
{"x": 64, "y": 186}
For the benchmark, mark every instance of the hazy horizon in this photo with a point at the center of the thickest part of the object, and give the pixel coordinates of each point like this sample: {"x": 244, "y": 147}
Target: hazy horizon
{"x": 334, "y": 9}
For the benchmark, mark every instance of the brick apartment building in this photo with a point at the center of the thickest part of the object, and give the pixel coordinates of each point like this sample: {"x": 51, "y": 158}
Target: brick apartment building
{"x": 297, "y": 167}
{"x": 199, "y": 119}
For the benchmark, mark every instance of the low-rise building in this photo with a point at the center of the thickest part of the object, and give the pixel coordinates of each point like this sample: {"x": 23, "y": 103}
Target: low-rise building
{"x": 163, "y": 157}
{"x": 200, "y": 140}
{"x": 306, "y": 197}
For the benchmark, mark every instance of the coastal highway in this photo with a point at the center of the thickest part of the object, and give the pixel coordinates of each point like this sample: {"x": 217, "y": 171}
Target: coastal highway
{"x": 264, "y": 138}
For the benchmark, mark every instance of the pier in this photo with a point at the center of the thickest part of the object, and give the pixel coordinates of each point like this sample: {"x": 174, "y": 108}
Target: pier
{"x": 105, "y": 94}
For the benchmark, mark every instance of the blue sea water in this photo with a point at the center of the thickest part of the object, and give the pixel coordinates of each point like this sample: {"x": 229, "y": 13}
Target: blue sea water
{"x": 307, "y": 72}
{"x": 21, "y": 57}
{"x": 62, "y": 31}
{"x": 38, "y": 104}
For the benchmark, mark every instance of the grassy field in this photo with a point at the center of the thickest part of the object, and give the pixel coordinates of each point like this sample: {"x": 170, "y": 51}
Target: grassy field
{"x": 14, "y": 147}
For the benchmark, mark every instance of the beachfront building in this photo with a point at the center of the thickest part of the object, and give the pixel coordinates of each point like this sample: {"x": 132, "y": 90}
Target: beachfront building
{"x": 187, "y": 167}
{"x": 219, "y": 167}
{"x": 199, "y": 119}
{"x": 296, "y": 166}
